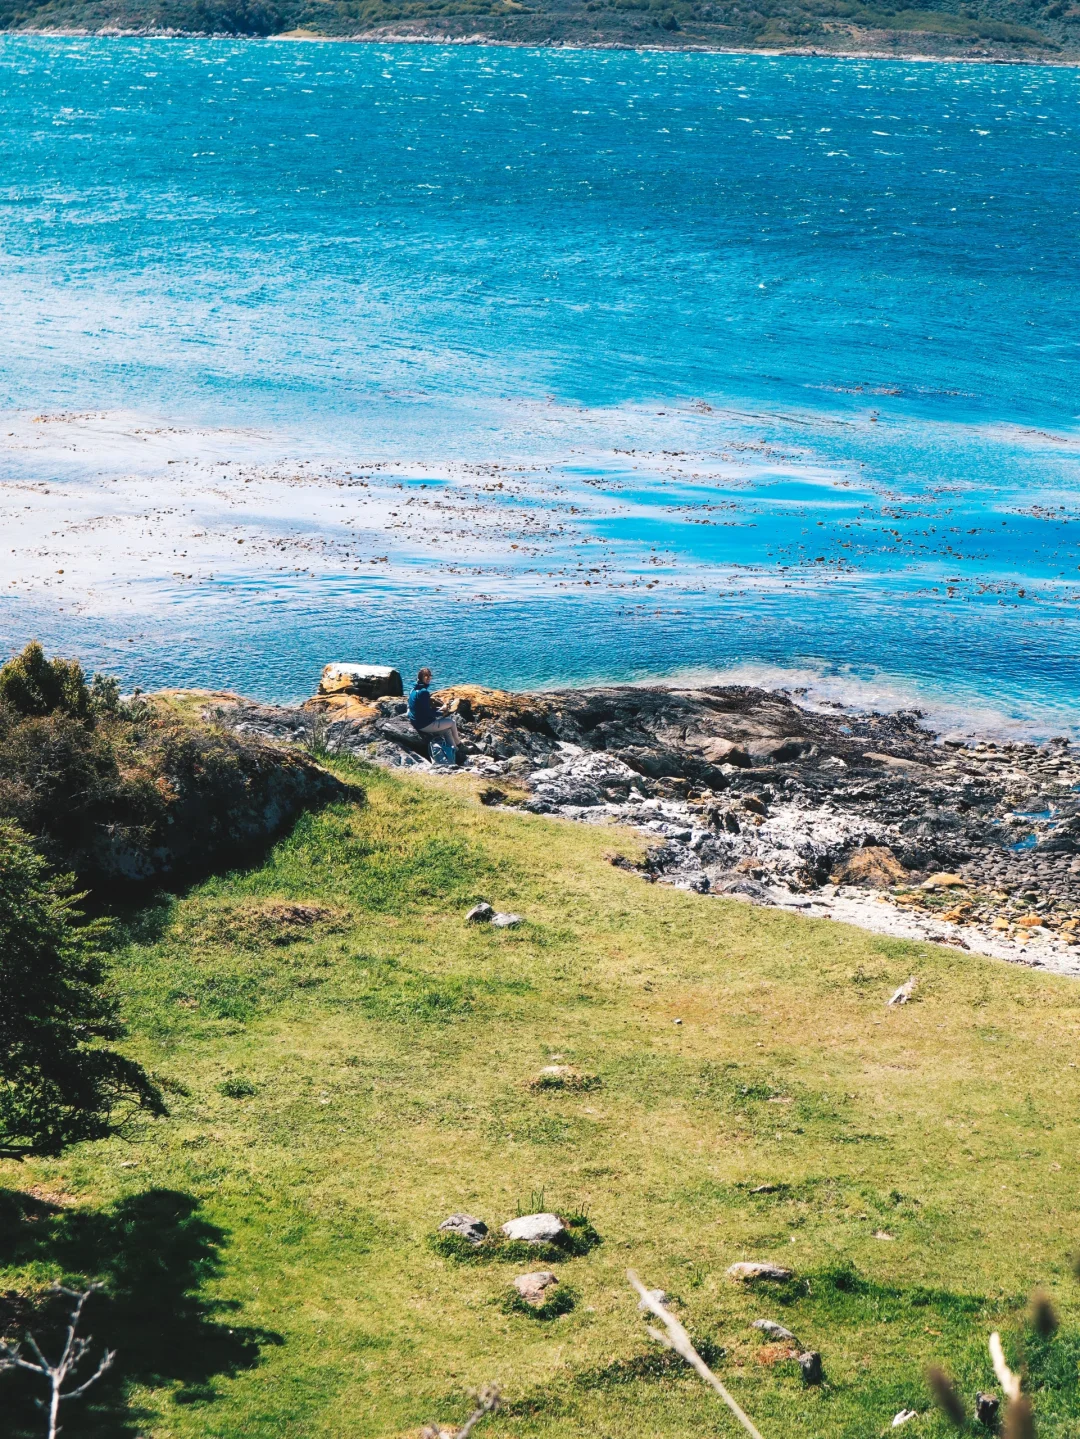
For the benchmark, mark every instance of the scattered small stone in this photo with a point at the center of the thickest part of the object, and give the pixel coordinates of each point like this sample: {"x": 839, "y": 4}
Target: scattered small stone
{"x": 882, "y": 1234}
{"x": 532, "y": 1286}
{"x": 467, "y": 1225}
{"x": 534, "y": 1228}
{"x": 904, "y": 993}
{"x": 480, "y": 914}
{"x": 810, "y": 1364}
{"x": 986, "y": 1409}
{"x": 506, "y": 921}
{"x": 749, "y": 1269}
{"x": 903, "y": 1417}
{"x": 775, "y": 1331}
{"x": 677, "y": 1021}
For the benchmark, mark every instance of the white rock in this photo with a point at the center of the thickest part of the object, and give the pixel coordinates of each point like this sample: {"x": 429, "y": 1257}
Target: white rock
{"x": 756, "y": 1269}
{"x": 534, "y": 1228}
{"x": 775, "y": 1331}
{"x": 903, "y": 1417}
{"x": 506, "y": 921}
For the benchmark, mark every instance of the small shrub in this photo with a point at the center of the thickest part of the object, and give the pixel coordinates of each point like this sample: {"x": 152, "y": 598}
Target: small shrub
{"x": 124, "y": 791}
{"x": 236, "y": 1088}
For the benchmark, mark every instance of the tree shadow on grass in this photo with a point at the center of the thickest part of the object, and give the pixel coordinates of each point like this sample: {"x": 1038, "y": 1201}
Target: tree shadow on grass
{"x": 154, "y": 1252}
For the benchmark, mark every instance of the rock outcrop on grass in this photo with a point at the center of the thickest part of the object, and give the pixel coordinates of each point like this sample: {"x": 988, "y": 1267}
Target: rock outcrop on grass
{"x": 138, "y": 790}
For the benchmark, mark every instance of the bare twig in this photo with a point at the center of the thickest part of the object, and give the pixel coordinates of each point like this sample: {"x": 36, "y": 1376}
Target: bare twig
{"x": 677, "y": 1338}
{"x": 487, "y": 1401}
{"x": 1009, "y": 1381}
{"x": 74, "y": 1351}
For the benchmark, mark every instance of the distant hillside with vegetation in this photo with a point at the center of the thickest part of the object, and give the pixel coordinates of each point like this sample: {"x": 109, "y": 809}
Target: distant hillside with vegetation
{"x": 981, "y": 29}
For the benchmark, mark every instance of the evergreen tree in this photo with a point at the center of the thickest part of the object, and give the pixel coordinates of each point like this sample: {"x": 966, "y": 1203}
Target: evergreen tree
{"x": 58, "y": 1080}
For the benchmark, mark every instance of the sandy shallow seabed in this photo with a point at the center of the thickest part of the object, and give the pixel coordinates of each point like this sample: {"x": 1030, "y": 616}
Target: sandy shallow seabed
{"x": 102, "y": 512}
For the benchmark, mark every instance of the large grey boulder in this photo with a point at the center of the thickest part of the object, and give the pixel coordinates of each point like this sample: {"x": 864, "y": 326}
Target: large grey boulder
{"x": 534, "y": 1228}
{"x": 777, "y": 749}
{"x": 400, "y": 732}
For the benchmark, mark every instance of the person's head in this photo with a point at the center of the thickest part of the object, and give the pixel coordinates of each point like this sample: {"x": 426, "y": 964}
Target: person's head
{"x": 423, "y": 676}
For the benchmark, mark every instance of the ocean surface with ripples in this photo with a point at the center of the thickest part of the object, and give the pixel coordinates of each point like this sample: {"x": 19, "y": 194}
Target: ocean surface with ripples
{"x": 796, "y": 339}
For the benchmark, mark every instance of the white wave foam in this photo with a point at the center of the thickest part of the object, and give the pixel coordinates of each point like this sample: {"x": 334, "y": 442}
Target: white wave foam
{"x": 955, "y": 714}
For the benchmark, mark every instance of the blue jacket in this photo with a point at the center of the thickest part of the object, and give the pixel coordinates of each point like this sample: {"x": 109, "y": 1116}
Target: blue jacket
{"x": 422, "y": 709}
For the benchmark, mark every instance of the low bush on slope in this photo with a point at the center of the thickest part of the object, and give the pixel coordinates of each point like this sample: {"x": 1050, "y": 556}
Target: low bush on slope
{"x": 123, "y": 791}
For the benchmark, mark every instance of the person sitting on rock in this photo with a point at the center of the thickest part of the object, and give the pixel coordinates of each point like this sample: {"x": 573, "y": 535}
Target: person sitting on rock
{"x": 426, "y": 717}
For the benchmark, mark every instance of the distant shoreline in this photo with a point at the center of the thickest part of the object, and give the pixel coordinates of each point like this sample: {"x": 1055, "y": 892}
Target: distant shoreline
{"x": 497, "y": 42}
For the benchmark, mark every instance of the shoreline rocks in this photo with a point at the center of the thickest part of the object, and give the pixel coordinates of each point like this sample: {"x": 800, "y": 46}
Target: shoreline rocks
{"x": 743, "y": 792}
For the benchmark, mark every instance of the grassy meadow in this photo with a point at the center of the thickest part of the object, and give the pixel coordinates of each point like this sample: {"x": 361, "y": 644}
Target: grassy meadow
{"x": 340, "y": 1083}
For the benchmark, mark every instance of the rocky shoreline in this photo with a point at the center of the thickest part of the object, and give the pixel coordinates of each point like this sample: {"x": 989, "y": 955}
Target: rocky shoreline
{"x": 867, "y": 818}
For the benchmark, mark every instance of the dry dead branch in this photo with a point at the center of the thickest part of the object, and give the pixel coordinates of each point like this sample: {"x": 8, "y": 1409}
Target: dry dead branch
{"x": 74, "y": 1351}
{"x": 677, "y": 1338}
{"x": 1009, "y": 1381}
{"x": 487, "y": 1401}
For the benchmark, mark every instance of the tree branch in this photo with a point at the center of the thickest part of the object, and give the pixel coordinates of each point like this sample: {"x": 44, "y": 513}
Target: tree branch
{"x": 677, "y": 1338}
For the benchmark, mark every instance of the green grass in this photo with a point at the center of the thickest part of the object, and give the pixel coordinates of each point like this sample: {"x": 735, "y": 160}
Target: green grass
{"x": 339, "y": 1089}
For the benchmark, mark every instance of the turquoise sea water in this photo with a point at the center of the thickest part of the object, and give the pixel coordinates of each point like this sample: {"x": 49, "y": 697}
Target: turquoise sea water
{"x": 854, "y": 283}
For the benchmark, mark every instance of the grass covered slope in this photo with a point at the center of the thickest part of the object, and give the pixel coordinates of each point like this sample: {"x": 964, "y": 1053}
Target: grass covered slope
{"x": 348, "y": 1063}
